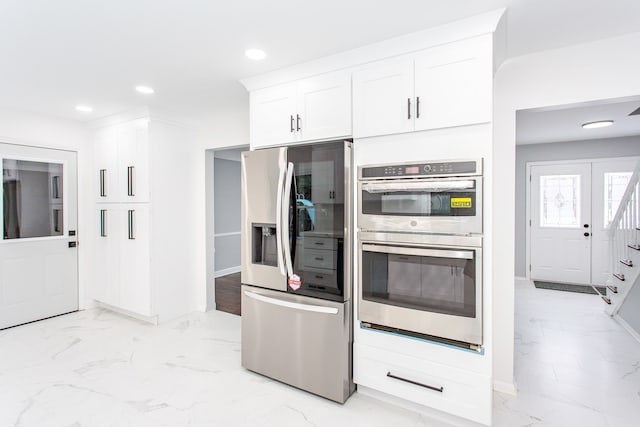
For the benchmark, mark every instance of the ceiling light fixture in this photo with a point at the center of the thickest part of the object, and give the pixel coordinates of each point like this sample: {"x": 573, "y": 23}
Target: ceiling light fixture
{"x": 84, "y": 108}
{"x": 255, "y": 54}
{"x": 598, "y": 124}
{"x": 145, "y": 89}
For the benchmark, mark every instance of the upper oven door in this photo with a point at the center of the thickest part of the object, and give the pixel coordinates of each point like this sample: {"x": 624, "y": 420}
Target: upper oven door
{"x": 442, "y": 205}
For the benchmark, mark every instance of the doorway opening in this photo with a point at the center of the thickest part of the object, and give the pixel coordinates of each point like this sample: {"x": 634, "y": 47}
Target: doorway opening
{"x": 568, "y": 181}
{"x": 223, "y": 225}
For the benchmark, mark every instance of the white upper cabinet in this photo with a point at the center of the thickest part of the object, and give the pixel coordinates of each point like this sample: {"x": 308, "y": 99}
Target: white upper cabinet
{"x": 324, "y": 107}
{"x": 444, "y": 86}
{"x": 453, "y": 84}
{"x": 122, "y": 159}
{"x": 316, "y": 108}
{"x": 382, "y": 97}
{"x": 272, "y": 113}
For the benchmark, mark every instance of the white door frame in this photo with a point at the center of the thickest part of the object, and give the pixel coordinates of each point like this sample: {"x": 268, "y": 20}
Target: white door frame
{"x": 528, "y": 216}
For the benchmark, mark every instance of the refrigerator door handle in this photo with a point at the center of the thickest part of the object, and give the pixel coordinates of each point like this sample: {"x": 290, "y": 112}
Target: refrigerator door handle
{"x": 279, "y": 223}
{"x": 284, "y": 229}
{"x": 293, "y": 305}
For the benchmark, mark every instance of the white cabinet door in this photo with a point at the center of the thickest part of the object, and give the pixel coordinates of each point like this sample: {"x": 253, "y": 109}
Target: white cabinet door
{"x": 134, "y": 284}
{"x": 273, "y": 116}
{"x": 105, "y": 283}
{"x": 324, "y": 106}
{"x": 106, "y": 165}
{"x": 453, "y": 84}
{"x": 133, "y": 162}
{"x": 383, "y": 99}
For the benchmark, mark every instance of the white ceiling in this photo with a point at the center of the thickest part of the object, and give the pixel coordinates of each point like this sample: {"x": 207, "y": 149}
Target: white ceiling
{"x": 57, "y": 54}
{"x": 564, "y": 123}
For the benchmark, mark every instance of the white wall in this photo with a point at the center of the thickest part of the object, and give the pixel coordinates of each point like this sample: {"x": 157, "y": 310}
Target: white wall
{"x": 226, "y": 130}
{"x": 17, "y": 127}
{"x": 599, "y": 70}
{"x": 227, "y": 214}
{"x": 571, "y": 150}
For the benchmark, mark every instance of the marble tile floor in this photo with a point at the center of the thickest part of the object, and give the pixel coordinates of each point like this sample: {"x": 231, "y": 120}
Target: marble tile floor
{"x": 574, "y": 367}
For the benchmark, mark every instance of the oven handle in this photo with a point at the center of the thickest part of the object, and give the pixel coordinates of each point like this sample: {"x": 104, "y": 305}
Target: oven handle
{"x": 403, "y": 250}
{"x": 382, "y": 187}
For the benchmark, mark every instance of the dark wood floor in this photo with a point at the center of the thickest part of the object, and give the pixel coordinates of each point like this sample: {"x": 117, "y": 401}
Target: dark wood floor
{"x": 228, "y": 293}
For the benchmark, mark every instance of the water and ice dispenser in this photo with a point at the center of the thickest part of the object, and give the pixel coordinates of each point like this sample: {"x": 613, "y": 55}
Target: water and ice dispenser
{"x": 265, "y": 250}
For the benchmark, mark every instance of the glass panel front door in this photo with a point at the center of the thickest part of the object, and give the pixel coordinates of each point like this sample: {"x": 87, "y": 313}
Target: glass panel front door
{"x": 32, "y": 199}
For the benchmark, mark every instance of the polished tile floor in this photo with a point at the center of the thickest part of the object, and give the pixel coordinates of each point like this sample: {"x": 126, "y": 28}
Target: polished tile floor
{"x": 574, "y": 367}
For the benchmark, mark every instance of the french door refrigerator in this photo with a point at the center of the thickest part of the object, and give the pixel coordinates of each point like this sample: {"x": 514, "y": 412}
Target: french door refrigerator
{"x": 296, "y": 266}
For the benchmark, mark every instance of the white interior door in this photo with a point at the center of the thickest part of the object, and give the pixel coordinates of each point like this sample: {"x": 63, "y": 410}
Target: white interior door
{"x": 560, "y": 223}
{"x": 38, "y": 256}
{"x": 610, "y": 179}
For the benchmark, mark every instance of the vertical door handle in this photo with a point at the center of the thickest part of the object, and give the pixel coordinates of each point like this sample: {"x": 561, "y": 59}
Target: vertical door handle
{"x": 291, "y": 123}
{"x": 103, "y": 223}
{"x": 408, "y": 108}
{"x": 103, "y": 190}
{"x": 298, "y": 122}
{"x": 130, "y": 191}
{"x": 417, "y": 107}
{"x": 131, "y": 215}
{"x": 55, "y": 187}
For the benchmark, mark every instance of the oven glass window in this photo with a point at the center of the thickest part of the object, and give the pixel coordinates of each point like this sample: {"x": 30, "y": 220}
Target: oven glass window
{"x": 428, "y": 283}
{"x": 419, "y": 203}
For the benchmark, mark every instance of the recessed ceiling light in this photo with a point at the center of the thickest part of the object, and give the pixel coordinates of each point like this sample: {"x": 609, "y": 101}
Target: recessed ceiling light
{"x": 598, "y": 124}
{"x": 84, "y": 108}
{"x": 145, "y": 89}
{"x": 255, "y": 54}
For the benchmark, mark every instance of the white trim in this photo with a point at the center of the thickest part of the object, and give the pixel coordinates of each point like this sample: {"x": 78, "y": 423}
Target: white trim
{"x": 505, "y": 387}
{"x": 149, "y": 319}
{"x": 523, "y": 279}
{"x": 227, "y": 271}
{"x": 627, "y": 327}
{"x": 233, "y": 233}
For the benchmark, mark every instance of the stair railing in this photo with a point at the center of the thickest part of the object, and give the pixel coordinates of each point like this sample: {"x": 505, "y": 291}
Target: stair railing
{"x": 623, "y": 238}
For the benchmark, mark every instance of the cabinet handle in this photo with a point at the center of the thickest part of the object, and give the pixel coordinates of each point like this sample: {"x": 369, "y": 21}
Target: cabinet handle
{"x": 408, "y": 108}
{"x": 131, "y": 220}
{"x": 430, "y": 387}
{"x": 298, "y": 122}
{"x": 292, "y": 129}
{"x": 130, "y": 191}
{"x": 103, "y": 223}
{"x": 320, "y": 243}
{"x": 319, "y": 259}
{"x": 417, "y": 107}
{"x": 103, "y": 190}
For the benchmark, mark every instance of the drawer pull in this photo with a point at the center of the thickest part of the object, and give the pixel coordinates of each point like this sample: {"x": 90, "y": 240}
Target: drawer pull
{"x": 320, "y": 243}
{"x": 319, "y": 277}
{"x": 319, "y": 259}
{"x": 430, "y": 387}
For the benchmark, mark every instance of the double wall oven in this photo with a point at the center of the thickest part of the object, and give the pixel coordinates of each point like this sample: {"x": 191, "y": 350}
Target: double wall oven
{"x": 420, "y": 249}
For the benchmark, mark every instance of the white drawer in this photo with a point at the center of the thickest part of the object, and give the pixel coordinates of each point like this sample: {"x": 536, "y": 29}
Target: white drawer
{"x": 455, "y": 391}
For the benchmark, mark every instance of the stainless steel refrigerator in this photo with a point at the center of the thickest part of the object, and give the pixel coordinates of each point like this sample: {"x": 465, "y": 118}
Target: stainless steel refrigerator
{"x": 296, "y": 266}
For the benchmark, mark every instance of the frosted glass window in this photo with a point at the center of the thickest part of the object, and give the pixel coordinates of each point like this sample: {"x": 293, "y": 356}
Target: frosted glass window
{"x": 560, "y": 201}
{"x": 32, "y": 199}
{"x": 615, "y": 183}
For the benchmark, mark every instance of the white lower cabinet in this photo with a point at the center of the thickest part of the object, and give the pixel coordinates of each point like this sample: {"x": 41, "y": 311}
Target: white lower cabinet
{"x": 452, "y": 390}
{"x": 122, "y": 257}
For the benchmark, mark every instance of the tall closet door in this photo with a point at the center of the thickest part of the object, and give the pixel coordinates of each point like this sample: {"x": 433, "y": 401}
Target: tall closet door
{"x": 105, "y": 286}
{"x": 134, "y": 284}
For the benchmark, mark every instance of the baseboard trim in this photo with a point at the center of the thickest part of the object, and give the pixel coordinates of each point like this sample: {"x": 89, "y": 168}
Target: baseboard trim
{"x": 505, "y": 387}
{"x": 149, "y": 319}
{"x": 522, "y": 279}
{"x": 627, "y": 327}
{"x": 227, "y": 271}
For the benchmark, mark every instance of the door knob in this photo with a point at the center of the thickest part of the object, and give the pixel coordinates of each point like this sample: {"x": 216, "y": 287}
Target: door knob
{"x": 586, "y": 234}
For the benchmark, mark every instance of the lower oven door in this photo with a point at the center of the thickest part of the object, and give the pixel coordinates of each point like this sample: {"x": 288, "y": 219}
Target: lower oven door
{"x": 430, "y": 290}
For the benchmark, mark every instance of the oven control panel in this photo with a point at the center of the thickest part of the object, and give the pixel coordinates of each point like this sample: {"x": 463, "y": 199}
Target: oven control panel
{"x": 422, "y": 169}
